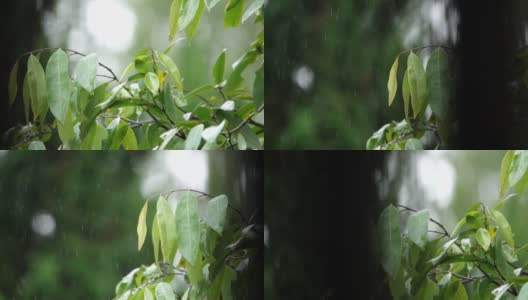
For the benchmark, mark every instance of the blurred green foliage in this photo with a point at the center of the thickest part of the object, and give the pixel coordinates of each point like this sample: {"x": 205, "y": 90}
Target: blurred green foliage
{"x": 349, "y": 46}
{"x": 94, "y": 199}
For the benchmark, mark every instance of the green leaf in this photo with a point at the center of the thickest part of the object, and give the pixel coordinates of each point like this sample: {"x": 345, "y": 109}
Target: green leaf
{"x": 26, "y": 96}
{"x": 126, "y": 283}
{"x": 155, "y": 238}
{"x": 235, "y": 79}
{"x": 437, "y": 82}
{"x": 216, "y": 213}
{"x": 36, "y": 145}
{"x": 199, "y": 90}
{"x": 251, "y": 138}
{"x": 445, "y": 247}
{"x": 518, "y": 167}
{"x": 392, "y": 84}
{"x": 37, "y": 88}
{"x": 173, "y": 70}
{"x": 428, "y": 290}
{"x": 456, "y": 291}
{"x": 509, "y": 253}
{"x": 142, "y": 226}
{"x": 505, "y": 171}
{"x": 188, "y": 11}
{"x": 258, "y": 88}
{"x": 417, "y": 84}
{"x": 188, "y": 227}
{"x": 523, "y": 293}
{"x": 499, "y": 292}
{"x": 504, "y": 226}
{"x": 241, "y": 140}
{"x": 227, "y": 279}
{"x": 167, "y": 138}
{"x": 85, "y": 72}
{"x": 413, "y": 144}
{"x": 406, "y": 94}
{"x": 417, "y": 228}
{"x": 212, "y": 3}
{"x": 59, "y": 84}
{"x": 126, "y": 71}
{"x": 130, "y": 141}
{"x": 152, "y": 83}
{"x": 148, "y": 294}
{"x": 483, "y": 238}
{"x": 164, "y": 292}
{"x": 252, "y": 9}
{"x": 67, "y": 132}
{"x": 94, "y": 138}
{"x": 219, "y": 67}
{"x": 143, "y": 65}
{"x": 390, "y": 239}
{"x": 233, "y": 13}
{"x": 194, "y": 138}
{"x": 169, "y": 102}
{"x": 115, "y": 91}
{"x": 191, "y": 28}
{"x": 166, "y": 226}
{"x": 175, "y": 11}
{"x": 211, "y": 133}
{"x": 13, "y": 85}
{"x": 228, "y": 106}
{"x": 503, "y": 201}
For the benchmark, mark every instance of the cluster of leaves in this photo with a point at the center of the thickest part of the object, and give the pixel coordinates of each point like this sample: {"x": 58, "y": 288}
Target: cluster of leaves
{"x": 421, "y": 87}
{"x": 478, "y": 260}
{"x": 199, "y": 256}
{"x": 149, "y": 109}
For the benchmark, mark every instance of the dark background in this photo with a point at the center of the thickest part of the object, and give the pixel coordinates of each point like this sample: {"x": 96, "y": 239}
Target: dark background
{"x": 320, "y": 210}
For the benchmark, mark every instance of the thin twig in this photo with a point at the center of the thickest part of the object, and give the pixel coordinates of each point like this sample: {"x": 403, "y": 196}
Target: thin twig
{"x": 239, "y": 126}
{"x": 209, "y": 196}
{"x": 432, "y": 220}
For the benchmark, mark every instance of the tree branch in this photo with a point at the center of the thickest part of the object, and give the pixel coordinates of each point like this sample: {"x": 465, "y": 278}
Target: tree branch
{"x": 431, "y": 219}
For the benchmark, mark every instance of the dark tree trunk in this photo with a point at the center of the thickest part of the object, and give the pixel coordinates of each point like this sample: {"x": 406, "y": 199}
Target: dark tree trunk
{"x": 487, "y": 96}
{"x": 321, "y": 209}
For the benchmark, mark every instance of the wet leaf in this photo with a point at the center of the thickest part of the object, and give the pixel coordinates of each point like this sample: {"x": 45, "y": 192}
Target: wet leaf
{"x": 211, "y": 133}
{"x": 142, "y": 226}
{"x": 417, "y": 228}
{"x": 392, "y": 84}
{"x": 59, "y": 84}
{"x": 188, "y": 227}
{"x": 219, "y": 67}
{"x": 417, "y": 84}
{"x": 13, "y": 85}
{"x": 194, "y": 137}
{"x": 174, "y": 17}
{"x": 483, "y": 238}
{"x": 233, "y": 13}
{"x": 164, "y": 292}
{"x": 166, "y": 226}
{"x": 505, "y": 171}
{"x": 390, "y": 239}
{"x": 37, "y": 88}
{"x": 215, "y": 215}
{"x": 85, "y": 72}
